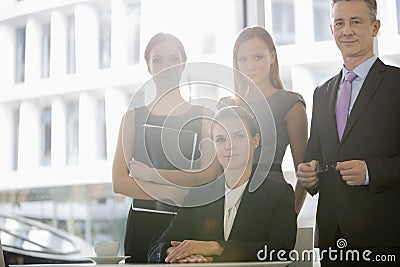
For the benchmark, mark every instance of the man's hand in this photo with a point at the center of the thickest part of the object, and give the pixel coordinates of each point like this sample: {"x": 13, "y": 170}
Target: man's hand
{"x": 187, "y": 248}
{"x": 307, "y": 174}
{"x": 353, "y": 171}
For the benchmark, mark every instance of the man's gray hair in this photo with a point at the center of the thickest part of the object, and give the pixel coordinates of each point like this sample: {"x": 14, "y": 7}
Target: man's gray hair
{"x": 371, "y": 4}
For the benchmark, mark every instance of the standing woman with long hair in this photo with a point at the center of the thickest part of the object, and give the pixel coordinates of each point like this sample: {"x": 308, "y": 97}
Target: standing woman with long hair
{"x": 142, "y": 168}
{"x": 254, "y": 55}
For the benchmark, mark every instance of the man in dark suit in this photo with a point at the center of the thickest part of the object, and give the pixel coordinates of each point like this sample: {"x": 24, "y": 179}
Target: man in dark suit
{"x": 354, "y": 161}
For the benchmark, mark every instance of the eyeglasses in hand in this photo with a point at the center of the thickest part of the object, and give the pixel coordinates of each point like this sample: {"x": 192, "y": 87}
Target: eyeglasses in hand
{"x": 321, "y": 167}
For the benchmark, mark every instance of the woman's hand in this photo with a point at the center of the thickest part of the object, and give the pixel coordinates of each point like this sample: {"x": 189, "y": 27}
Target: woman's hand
{"x": 141, "y": 171}
{"x": 182, "y": 250}
{"x": 196, "y": 259}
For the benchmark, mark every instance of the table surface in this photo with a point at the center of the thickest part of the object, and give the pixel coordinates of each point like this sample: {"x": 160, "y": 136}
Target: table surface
{"x": 220, "y": 264}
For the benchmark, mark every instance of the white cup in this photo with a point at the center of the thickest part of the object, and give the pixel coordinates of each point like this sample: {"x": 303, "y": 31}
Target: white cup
{"x": 106, "y": 248}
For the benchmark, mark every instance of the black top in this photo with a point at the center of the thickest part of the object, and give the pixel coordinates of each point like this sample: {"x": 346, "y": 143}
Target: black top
{"x": 167, "y": 142}
{"x": 274, "y": 133}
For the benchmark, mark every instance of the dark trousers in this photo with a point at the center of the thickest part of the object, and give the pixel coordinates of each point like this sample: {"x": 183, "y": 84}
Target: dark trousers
{"x": 142, "y": 230}
{"x": 351, "y": 255}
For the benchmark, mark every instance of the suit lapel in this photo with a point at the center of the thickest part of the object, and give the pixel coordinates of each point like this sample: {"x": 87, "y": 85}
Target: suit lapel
{"x": 246, "y": 212}
{"x": 219, "y": 207}
{"x": 213, "y": 213}
{"x": 218, "y": 214}
{"x": 367, "y": 91}
{"x": 332, "y": 89}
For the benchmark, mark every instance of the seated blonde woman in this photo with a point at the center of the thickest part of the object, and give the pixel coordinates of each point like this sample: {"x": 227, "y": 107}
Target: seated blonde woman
{"x": 239, "y": 223}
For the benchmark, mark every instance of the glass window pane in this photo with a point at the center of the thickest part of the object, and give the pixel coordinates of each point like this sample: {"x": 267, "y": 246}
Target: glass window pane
{"x": 240, "y": 17}
{"x": 104, "y": 38}
{"x": 133, "y": 32}
{"x": 283, "y": 21}
{"x": 46, "y": 50}
{"x": 72, "y": 132}
{"x": 45, "y": 136}
{"x": 20, "y": 55}
{"x": 15, "y": 119}
{"x": 71, "y": 62}
{"x": 398, "y": 15}
{"x": 204, "y": 31}
{"x": 287, "y": 81}
{"x": 322, "y": 20}
{"x": 101, "y": 133}
{"x": 209, "y": 41}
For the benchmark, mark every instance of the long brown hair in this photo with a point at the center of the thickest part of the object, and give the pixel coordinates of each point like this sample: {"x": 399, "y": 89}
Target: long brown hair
{"x": 259, "y": 32}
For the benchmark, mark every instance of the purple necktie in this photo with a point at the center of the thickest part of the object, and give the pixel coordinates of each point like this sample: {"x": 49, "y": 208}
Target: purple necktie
{"x": 342, "y": 109}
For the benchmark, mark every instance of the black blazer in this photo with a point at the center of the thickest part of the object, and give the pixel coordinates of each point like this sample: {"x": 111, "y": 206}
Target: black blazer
{"x": 264, "y": 217}
{"x": 367, "y": 215}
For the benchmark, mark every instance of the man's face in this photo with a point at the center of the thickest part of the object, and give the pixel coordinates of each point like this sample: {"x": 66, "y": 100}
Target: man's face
{"x": 353, "y": 30}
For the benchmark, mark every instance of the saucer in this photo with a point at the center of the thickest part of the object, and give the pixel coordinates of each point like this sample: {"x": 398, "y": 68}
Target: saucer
{"x": 108, "y": 260}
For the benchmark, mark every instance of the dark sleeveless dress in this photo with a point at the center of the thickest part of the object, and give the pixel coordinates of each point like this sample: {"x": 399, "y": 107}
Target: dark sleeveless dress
{"x": 145, "y": 227}
{"x": 280, "y": 103}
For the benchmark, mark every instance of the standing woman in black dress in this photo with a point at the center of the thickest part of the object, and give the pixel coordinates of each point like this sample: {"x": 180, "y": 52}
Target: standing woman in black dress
{"x": 142, "y": 169}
